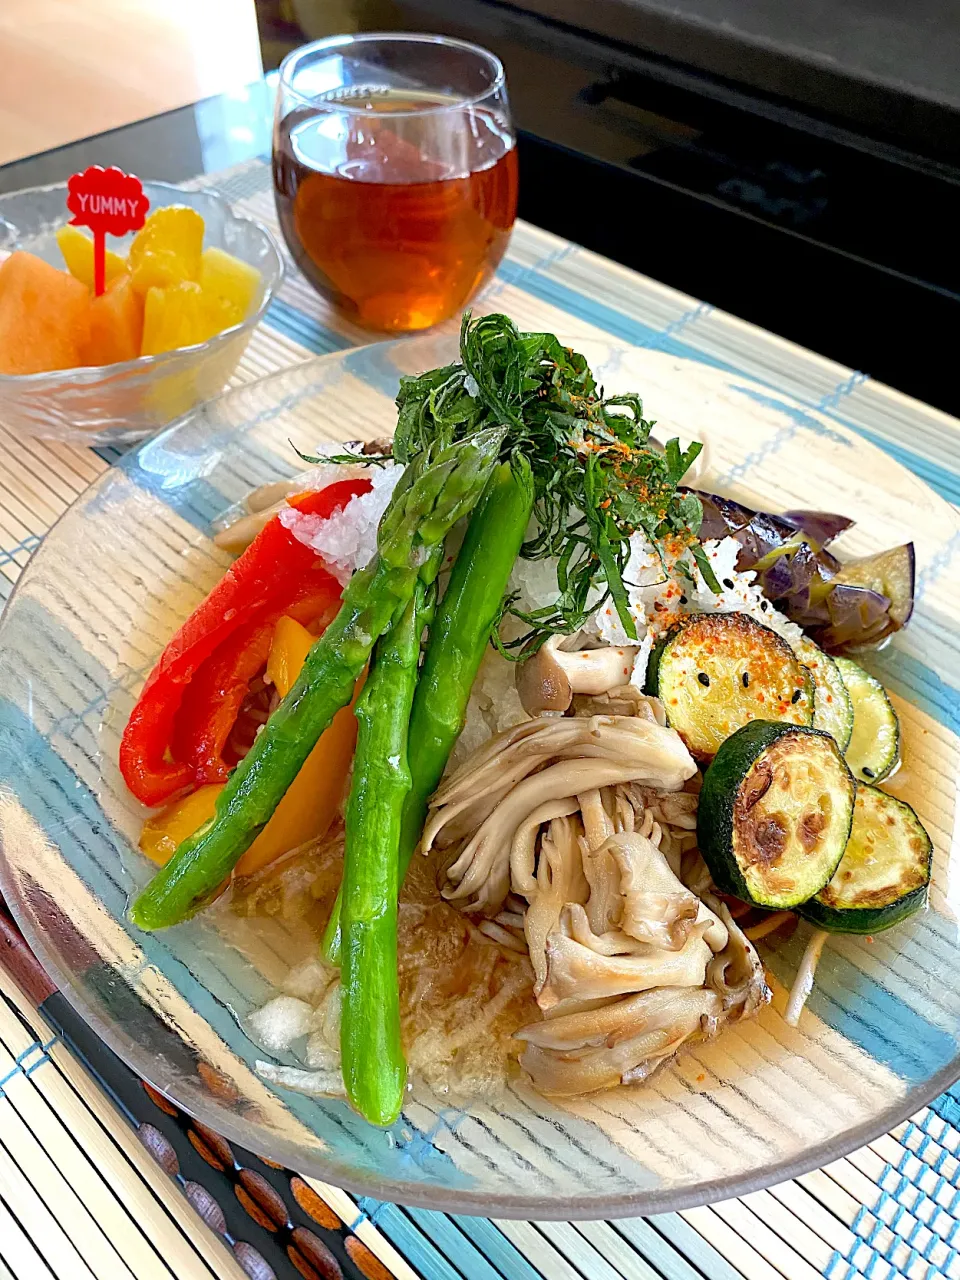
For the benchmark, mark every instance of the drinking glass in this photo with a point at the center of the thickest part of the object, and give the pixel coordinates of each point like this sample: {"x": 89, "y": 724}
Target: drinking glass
{"x": 395, "y": 173}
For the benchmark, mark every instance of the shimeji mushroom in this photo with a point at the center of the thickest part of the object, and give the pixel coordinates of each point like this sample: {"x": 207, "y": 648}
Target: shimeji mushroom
{"x": 548, "y": 679}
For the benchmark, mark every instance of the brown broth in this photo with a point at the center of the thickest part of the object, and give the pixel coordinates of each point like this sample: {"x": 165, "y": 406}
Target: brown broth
{"x": 462, "y": 996}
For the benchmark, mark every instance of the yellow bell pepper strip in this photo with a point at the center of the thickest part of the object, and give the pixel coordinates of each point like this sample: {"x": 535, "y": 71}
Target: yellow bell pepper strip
{"x": 313, "y": 798}
{"x": 312, "y": 801}
{"x": 164, "y": 830}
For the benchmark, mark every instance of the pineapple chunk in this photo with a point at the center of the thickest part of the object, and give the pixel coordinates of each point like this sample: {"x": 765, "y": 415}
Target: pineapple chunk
{"x": 224, "y": 276}
{"x": 178, "y": 316}
{"x": 77, "y": 250}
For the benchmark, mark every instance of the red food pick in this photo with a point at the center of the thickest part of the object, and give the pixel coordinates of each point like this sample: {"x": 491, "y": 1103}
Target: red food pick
{"x": 168, "y": 742}
{"x": 108, "y": 201}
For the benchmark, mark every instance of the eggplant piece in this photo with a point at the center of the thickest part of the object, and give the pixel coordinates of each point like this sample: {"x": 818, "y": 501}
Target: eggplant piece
{"x": 858, "y": 617}
{"x": 844, "y": 606}
{"x": 889, "y": 573}
{"x": 870, "y": 598}
{"x": 818, "y": 527}
{"x": 758, "y": 532}
{"x": 765, "y": 538}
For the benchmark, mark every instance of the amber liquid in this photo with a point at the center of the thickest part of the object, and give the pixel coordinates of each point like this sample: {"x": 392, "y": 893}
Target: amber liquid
{"x": 396, "y": 239}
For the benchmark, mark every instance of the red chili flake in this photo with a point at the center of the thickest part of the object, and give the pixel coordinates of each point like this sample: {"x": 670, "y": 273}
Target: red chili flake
{"x": 760, "y": 697}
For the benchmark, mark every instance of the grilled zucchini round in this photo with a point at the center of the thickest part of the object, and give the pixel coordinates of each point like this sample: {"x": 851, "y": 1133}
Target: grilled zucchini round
{"x": 715, "y": 672}
{"x": 883, "y": 875}
{"x": 832, "y": 708}
{"x": 775, "y": 813}
{"x": 873, "y": 751}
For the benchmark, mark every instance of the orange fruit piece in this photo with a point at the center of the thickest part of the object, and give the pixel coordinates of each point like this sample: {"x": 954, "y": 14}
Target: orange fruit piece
{"x": 44, "y": 316}
{"x": 167, "y": 249}
{"x": 116, "y": 324}
{"x": 77, "y": 250}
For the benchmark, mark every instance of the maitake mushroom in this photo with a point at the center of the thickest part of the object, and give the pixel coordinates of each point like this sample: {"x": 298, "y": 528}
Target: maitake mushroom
{"x": 485, "y": 807}
{"x": 569, "y": 834}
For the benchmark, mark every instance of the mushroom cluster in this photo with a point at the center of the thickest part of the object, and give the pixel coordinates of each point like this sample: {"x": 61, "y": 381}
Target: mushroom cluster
{"x": 574, "y": 836}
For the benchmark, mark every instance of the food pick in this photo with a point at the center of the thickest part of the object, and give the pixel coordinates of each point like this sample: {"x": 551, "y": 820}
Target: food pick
{"x": 108, "y": 201}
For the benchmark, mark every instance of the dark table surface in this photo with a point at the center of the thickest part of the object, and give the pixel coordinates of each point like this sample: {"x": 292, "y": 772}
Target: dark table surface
{"x": 205, "y": 137}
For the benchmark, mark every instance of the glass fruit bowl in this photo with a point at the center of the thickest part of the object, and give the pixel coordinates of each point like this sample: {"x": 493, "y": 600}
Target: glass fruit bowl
{"x": 123, "y": 402}
{"x": 760, "y": 1103}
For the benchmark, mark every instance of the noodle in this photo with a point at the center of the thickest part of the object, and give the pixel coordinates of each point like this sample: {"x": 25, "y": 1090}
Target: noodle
{"x": 803, "y": 982}
{"x": 770, "y": 924}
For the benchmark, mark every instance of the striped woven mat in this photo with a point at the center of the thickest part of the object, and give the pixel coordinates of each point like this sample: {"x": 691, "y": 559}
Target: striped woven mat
{"x": 80, "y": 1196}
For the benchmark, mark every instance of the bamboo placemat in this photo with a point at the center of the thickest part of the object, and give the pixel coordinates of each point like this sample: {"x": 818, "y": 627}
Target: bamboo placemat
{"x": 80, "y": 1196}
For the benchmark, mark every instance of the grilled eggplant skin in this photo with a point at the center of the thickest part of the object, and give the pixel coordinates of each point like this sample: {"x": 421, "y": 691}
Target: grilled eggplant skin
{"x": 884, "y": 872}
{"x": 715, "y": 672}
{"x": 775, "y": 813}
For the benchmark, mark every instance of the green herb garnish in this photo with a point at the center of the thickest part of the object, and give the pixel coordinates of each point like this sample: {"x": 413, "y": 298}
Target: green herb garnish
{"x": 597, "y": 479}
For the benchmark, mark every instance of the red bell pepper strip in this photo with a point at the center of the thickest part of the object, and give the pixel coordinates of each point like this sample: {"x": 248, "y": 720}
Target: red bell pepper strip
{"x": 208, "y": 713}
{"x": 274, "y": 574}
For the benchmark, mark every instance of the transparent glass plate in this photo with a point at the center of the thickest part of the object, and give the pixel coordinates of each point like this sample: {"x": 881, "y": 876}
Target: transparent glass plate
{"x": 761, "y": 1103}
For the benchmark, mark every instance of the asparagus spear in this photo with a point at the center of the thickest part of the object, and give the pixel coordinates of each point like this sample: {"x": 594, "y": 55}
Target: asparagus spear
{"x": 374, "y": 1070}
{"x": 458, "y": 638}
{"x": 438, "y": 487}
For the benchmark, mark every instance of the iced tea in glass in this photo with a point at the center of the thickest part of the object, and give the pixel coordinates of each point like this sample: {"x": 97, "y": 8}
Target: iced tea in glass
{"x": 395, "y": 173}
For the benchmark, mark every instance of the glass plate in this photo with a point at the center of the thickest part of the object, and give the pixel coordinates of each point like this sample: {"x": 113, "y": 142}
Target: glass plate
{"x": 761, "y": 1103}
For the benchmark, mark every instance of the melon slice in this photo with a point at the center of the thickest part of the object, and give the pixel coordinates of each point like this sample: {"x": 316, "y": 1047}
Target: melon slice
{"x": 116, "y": 324}
{"x": 44, "y": 316}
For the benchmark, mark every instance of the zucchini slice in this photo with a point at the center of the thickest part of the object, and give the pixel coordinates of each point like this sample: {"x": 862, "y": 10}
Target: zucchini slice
{"x": 715, "y": 672}
{"x": 883, "y": 875}
{"x": 873, "y": 751}
{"x": 775, "y": 813}
{"x": 832, "y": 707}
